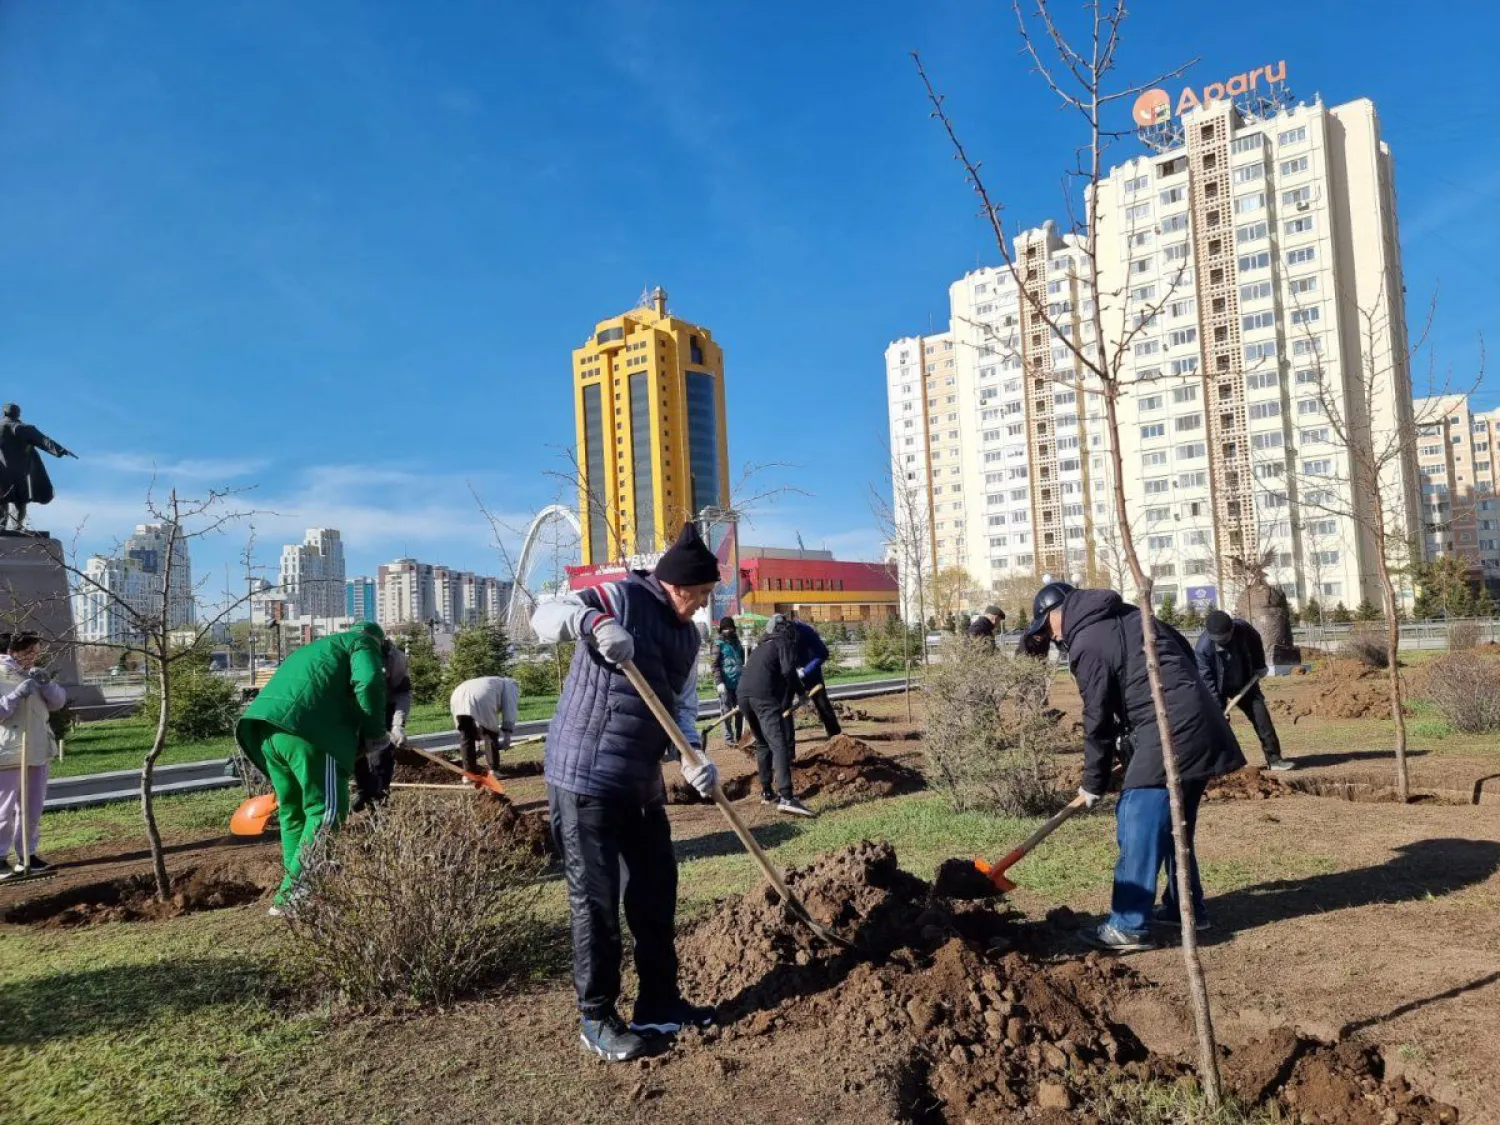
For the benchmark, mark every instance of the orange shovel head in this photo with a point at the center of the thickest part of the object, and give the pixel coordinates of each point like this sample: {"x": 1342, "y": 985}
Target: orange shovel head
{"x": 485, "y": 781}
{"x": 251, "y": 817}
{"x": 995, "y": 872}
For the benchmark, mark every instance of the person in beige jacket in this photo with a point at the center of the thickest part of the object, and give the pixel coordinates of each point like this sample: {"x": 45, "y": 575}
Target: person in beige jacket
{"x": 485, "y": 708}
{"x": 27, "y": 698}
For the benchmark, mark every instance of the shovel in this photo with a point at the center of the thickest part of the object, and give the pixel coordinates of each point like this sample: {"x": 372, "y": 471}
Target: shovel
{"x": 478, "y": 780}
{"x": 787, "y": 714}
{"x": 1228, "y": 707}
{"x": 685, "y": 748}
{"x": 995, "y": 872}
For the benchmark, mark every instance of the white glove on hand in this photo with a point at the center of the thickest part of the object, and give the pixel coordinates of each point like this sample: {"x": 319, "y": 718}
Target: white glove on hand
{"x": 25, "y": 688}
{"x": 397, "y": 737}
{"x": 1089, "y": 799}
{"x": 702, "y": 778}
{"x": 611, "y": 640}
{"x": 722, "y": 690}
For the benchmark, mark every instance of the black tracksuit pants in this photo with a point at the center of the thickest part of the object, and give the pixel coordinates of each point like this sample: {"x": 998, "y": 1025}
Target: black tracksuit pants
{"x": 596, "y": 838}
{"x": 823, "y": 704}
{"x": 470, "y": 735}
{"x": 775, "y": 741}
{"x": 1253, "y": 705}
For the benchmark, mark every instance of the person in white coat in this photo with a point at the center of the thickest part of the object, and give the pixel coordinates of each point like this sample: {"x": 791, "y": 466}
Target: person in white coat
{"x": 485, "y": 708}
{"x": 27, "y": 699}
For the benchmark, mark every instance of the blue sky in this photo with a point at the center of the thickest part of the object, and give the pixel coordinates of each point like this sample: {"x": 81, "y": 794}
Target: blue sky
{"x": 342, "y": 251}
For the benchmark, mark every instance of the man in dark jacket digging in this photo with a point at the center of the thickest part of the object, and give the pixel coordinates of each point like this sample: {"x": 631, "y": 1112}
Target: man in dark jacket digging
{"x": 768, "y": 688}
{"x": 1102, "y": 639}
{"x": 983, "y": 627}
{"x": 1230, "y": 656}
{"x": 605, "y": 789}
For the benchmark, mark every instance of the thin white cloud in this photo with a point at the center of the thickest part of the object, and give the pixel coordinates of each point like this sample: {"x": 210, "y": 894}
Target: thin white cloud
{"x": 196, "y": 470}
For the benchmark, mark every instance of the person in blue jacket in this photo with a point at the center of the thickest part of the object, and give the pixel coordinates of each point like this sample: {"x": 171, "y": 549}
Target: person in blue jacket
{"x": 728, "y": 665}
{"x": 816, "y": 655}
{"x": 605, "y": 793}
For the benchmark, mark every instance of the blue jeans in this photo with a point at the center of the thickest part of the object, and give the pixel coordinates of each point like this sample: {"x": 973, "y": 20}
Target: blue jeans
{"x": 1143, "y": 824}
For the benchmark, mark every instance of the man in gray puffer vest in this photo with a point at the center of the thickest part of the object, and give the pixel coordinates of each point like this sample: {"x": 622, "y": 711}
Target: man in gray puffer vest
{"x": 605, "y": 790}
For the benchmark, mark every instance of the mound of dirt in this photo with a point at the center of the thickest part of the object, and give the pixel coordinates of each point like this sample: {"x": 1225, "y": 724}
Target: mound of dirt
{"x": 848, "y": 713}
{"x": 412, "y": 767}
{"x": 1248, "y": 784}
{"x": 846, "y": 766}
{"x": 133, "y": 898}
{"x": 680, "y": 792}
{"x": 511, "y": 827}
{"x": 1337, "y": 689}
{"x": 954, "y": 1024}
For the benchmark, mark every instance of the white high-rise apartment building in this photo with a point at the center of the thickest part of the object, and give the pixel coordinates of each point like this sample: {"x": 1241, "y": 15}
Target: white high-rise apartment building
{"x": 993, "y": 436}
{"x": 100, "y": 616}
{"x": 1456, "y": 456}
{"x": 312, "y": 573}
{"x": 408, "y": 592}
{"x": 147, "y": 546}
{"x": 1251, "y": 275}
{"x": 1262, "y": 259}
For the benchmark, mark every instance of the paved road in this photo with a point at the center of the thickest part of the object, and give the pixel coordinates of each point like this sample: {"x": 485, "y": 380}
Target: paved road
{"x": 217, "y": 773}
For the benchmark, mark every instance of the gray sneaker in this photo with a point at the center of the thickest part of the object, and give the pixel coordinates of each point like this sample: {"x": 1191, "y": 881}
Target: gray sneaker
{"x": 1114, "y": 940}
{"x": 1280, "y": 765}
{"x": 793, "y": 807}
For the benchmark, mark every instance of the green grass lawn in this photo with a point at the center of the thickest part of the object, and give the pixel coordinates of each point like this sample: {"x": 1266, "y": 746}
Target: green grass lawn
{"x": 121, "y": 744}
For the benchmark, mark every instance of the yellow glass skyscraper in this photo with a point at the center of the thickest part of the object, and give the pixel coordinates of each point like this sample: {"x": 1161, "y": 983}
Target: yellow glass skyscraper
{"x": 648, "y": 397}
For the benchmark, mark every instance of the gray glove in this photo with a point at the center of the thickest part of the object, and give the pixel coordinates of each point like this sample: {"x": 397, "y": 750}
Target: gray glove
{"x": 611, "y": 640}
{"x": 25, "y": 688}
{"x": 1089, "y": 799}
{"x": 40, "y": 675}
{"x": 505, "y": 737}
{"x": 701, "y": 777}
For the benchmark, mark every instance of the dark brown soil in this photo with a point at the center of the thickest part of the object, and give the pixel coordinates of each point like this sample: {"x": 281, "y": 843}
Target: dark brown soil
{"x": 132, "y": 898}
{"x": 965, "y": 1027}
{"x": 513, "y": 827}
{"x": 1248, "y": 784}
{"x": 847, "y": 767}
{"x": 959, "y": 878}
{"x": 1336, "y": 689}
{"x": 680, "y": 792}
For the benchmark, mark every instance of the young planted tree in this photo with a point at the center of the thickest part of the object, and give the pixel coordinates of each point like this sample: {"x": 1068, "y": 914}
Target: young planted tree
{"x": 1372, "y": 484}
{"x": 479, "y": 650}
{"x": 1082, "y": 79}
{"x": 164, "y": 632}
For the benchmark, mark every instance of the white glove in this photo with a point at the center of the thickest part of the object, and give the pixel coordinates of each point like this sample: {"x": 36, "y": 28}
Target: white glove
{"x": 1089, "y": 799}
{"x": 611, "y": 640}
{"x": 722, "y": 690}
{"x": 702, "y": 778}
{"x": 802, "y": 674}
{"x": 25, "y": 688}
{"x": 397, "y": 737}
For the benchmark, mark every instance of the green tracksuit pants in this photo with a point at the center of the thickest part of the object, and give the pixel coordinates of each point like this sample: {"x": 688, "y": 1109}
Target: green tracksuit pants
{"x": 312, "y": 796}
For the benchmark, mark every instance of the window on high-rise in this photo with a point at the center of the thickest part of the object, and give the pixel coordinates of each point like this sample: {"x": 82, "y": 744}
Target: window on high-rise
{"x": 1246, "y": 204}
{"x": 1292, "y": 167}
{"x": 1250, "y": 142}
{"x": 1292, "y": 136}
{"x": 1296, "y": 196}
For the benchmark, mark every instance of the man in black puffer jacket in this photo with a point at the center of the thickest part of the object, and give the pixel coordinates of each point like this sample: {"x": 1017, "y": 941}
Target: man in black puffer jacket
{"x": 605, "y": 789}
{"x": 1230, "y": 657}
{"x": 1103, "y": 641}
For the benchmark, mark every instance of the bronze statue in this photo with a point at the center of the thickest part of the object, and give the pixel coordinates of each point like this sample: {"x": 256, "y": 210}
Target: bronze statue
{"x": 23, "y": 477}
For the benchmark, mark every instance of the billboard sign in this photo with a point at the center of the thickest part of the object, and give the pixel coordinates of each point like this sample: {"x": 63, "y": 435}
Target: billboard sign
{"x": 1203, "y": 597}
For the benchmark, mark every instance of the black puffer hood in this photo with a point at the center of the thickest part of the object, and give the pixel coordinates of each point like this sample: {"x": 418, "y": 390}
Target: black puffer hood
{"x": 1082, "y": 608}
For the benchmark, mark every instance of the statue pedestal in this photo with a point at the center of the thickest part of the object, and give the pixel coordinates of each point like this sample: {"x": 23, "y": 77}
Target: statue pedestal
{"x": 34, "y": 597}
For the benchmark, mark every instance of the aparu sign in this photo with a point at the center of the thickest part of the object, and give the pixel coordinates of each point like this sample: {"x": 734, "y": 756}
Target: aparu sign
{"x": 1155, "y": 107}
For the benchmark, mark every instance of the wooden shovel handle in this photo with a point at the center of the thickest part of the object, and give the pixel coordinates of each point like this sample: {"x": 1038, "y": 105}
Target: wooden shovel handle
{"x": 483, "y": 782}
{"x": 788, "y": 712}
{"x": 1049, "y": 826}
{"x": 692, "y": 754}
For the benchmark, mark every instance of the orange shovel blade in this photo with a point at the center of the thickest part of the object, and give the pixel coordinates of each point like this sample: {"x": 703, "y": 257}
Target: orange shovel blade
{"x": 251, "y": 817}
{"x": 485, "y": 781}
{"x": 995, "y": 872}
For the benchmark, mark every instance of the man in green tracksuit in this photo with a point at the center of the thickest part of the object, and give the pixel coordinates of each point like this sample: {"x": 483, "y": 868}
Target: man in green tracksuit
{"x": 303, "y": 732}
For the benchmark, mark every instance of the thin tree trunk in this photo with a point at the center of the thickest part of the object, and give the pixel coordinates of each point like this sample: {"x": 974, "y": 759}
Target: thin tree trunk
{"x": 1392, "y": 652}
{"x": 148, "y": 771}
{"x": 1208, "y": 1057}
